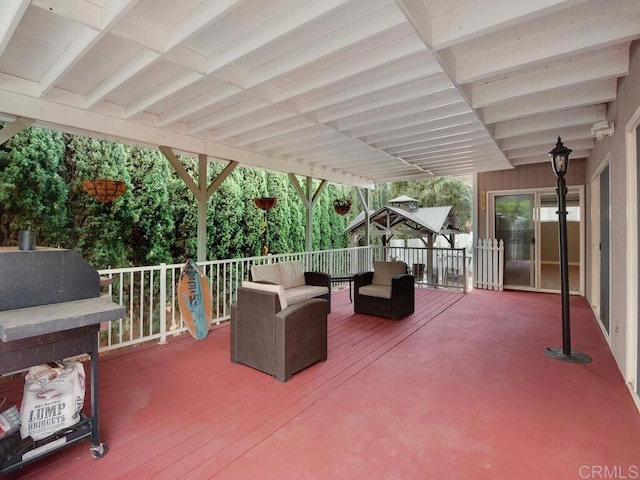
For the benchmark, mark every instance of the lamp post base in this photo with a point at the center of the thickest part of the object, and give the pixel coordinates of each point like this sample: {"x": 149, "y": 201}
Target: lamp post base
{"x": 574, "y": 357}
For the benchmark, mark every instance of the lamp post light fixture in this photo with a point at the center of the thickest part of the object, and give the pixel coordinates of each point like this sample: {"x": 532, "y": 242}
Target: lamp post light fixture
{"x": 560, "y": 161}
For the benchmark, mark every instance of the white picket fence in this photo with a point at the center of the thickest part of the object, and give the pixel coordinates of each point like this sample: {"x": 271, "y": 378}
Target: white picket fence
{"x": 489, "y": 264}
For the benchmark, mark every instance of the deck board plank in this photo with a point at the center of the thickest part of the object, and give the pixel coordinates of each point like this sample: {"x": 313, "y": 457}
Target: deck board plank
{"x": 183, "y": 410}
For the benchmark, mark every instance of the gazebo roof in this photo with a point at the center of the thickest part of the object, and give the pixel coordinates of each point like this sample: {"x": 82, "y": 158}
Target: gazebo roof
{"x": 420, "y": 222}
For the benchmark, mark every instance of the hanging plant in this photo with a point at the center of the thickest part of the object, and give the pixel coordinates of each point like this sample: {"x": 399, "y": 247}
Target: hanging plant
{"x": 104, "y": 189}
{"x": 342, "y": 206}
{"x": 265, "y": 203}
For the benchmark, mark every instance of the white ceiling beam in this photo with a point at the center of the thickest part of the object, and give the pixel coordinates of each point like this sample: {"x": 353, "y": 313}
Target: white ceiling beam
{"x": 605, "y": 29}
{"x": 328, "y": 157}
{"x": 394, "y": 76}
{"x": 14, "y": 128}
{"x": 275, "y": 29}
{"x": 420, "y": 139}
{"x": 610, "y": 64}
{"x": 256, "y": 121}
{"x": 197, "y": 103}
{"x": 417, "y": 105}
{"x": 458, "y": 145}
{"x": 421, "y": 20}
{"x": 319, "y": 144}
{"x": 358, "y": 31}
{"x": 462, "y": 160}
{"x": 400, "y": 134}
{"x": 475, "y": 19}
{"x": 547, "y": 137}
{"x": 406, "y": 47}
{"x": 405, "y": 93}
{"x": 410, "y": 120}
{"x": 545, "y": 158}
{"x": 389, "y": 169}
{"x": 135, "y": 31}
{"x": 11, "y": 13}
{"x": 443, "y": 139}
{"x": 550, "y": 121}
{"x": 541, "y": 103}
{"x": 200, "y": 17}
{"x": 429, "y": 130}
{"x": 582, "y": 144}
{"x": 455, "y": 155}
{"x": 292, "y": 138}
{"x": 279, "y": 128}
{"x": 161, "y": 92}
{"x": 144, "y": 59}
{"x": 80, "y": 11}
{"x": 234, "y": 112}
{"x": 341, "y": 158}
{"x": 112, "y": 12}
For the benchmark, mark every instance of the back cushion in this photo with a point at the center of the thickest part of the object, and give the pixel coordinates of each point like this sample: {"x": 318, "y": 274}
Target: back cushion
{"x": 266, "y": 273}
{"x": 279, "y": 289}
{"x": 383, "y": 272}
{"x": 292, "y": 274}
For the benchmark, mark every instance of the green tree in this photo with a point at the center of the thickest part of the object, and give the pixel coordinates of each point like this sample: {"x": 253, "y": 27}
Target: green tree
{"x": 99, "y": 231}
{"x": 225, "y": 213}
{"x": 33, "y": 191}
{"x": 152, "y": 234}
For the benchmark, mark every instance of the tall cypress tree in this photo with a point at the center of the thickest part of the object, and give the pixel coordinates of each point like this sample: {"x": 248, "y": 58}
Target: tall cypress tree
{"x": 100, "y": 230}
{"x": 33, "y": 191}
{"x": 152, "y": 235}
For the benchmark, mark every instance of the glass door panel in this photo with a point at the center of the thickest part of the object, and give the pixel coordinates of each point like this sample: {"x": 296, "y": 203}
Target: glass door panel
{"x": 550, "y": 245}
{"x": 514, "y": 225}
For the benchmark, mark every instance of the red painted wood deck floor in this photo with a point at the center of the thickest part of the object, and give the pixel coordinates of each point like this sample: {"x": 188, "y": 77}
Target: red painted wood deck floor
{"x": 460, "y": 390}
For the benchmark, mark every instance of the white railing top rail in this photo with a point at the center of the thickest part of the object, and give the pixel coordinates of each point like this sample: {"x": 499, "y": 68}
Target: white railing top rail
{"x": 149, "y": 293}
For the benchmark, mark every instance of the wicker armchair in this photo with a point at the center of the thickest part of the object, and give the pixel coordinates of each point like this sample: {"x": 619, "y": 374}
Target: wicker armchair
{"x": 279, "y": 342}
{"x": 388, "y": 291}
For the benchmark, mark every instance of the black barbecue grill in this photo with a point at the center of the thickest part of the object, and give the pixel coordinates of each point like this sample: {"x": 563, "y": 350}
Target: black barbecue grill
{"x": 50, "y": 309}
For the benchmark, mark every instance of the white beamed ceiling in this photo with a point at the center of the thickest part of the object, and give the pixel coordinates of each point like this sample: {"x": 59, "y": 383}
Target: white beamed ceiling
{"x": 353, "y": 91}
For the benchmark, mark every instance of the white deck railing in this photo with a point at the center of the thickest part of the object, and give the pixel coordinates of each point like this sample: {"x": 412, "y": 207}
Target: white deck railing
{"x": 150, "y": 293}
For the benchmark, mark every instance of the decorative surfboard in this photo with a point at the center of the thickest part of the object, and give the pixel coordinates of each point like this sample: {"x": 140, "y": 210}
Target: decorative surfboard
{"x": 194, "y": 299}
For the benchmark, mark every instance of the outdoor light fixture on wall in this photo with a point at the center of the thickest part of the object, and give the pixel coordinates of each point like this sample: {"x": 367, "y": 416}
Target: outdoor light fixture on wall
{"x": 560, "y": 162}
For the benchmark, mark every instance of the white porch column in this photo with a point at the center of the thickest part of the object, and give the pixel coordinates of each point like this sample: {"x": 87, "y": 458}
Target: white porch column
{"x": 201, "y": 191}
{"x": 309, "y": 199}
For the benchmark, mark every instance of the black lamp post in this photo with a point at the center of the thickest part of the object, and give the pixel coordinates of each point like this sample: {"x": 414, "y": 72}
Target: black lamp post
{"x": 560, "y": 162}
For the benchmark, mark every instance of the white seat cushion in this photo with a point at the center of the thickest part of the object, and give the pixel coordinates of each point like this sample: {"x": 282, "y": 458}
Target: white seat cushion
{"x": 381, "y": 291}
{"x": 267, "y": 287}
{"x": 299, "y": 294}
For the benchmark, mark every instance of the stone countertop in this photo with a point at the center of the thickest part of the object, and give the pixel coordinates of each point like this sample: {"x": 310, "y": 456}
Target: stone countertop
{"x": 29, "y": 322}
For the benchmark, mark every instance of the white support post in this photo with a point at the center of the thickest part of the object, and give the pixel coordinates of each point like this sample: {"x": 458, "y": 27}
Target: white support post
{"x": 309, "y": 199}
{"x": 163, "y": 303}
{"x": 201, "y": 191}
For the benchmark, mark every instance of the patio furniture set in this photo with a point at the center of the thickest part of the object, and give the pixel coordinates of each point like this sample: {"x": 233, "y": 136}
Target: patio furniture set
{"x": 279, "y": 319}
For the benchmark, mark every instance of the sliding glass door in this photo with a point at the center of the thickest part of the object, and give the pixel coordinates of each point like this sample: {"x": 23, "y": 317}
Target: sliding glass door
{"x": 513, "y": 220}
{"x": 527, "y": 223}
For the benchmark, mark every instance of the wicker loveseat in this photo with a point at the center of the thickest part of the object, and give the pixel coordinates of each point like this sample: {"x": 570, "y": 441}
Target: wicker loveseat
{"x": 277, "y": 341}
{"x": 388, "y": 291}
{"x": 298, "y": 284}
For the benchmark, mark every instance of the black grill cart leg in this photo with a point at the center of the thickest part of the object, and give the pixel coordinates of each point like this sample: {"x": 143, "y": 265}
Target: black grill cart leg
{"x": 98, "y": 449}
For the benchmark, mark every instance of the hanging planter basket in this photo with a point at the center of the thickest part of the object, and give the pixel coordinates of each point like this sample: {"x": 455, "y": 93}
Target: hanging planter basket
{"x": 341, "y": 206}
{"x": 265, "y": 203}
{"x": 104, "y": 189}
